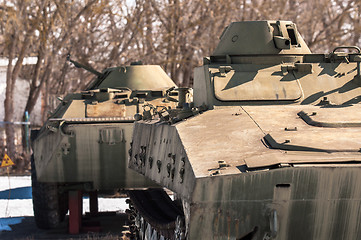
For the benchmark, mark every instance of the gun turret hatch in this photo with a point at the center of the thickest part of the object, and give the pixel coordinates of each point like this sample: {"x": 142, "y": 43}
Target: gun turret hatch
{"x": 261, "y": 38}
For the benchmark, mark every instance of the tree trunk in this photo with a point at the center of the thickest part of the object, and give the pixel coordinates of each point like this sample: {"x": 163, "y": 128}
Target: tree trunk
{"x": 8, "y": 103}
{"x": 11, "y": 76}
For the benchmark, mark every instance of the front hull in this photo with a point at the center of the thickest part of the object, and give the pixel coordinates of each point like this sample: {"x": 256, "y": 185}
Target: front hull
{"x": 288, "y": 203}
{"x": 87, "y": 153}
{"x": 306, "y": 199}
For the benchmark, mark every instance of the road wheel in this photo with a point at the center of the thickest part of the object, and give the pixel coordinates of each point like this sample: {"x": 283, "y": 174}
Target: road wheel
{"x": 153, "y": 215}
{"x": 50, "y": 206}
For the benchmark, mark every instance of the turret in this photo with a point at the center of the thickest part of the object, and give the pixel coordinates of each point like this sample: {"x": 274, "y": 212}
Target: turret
{"x": 135, "y": 77}
{"x": 261, "y": 38}
{"x": 268, "y": 62}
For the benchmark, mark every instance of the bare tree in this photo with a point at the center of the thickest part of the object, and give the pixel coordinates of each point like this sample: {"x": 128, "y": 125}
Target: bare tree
{"x": 18, "y": 40}
{"x": 175, "y": 34}
{"x": 27, "y": 26}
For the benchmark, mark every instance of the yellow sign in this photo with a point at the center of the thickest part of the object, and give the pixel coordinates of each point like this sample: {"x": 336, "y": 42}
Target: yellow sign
{"x": 7, "y": 161}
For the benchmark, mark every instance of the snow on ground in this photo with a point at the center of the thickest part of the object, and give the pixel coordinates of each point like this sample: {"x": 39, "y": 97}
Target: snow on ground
{"x": 16, "y": 201}
{"x": 14, "y": 182}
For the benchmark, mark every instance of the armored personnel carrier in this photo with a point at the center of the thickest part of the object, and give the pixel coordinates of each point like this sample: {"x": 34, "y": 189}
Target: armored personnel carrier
{"x": 270, "y": 149}
{"x": 85, "y": 142}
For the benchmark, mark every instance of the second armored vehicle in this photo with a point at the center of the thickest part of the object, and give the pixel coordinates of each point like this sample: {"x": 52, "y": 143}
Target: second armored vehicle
{"x": 84, "y": 144}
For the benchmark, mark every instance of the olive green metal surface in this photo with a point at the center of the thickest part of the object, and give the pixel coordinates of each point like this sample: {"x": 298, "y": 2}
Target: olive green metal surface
{"x": 87, "y": 139}
{"x": 277, "y": 153}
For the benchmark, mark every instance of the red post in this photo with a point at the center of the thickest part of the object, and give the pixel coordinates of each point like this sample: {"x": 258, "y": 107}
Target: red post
{"x": 75, "y": 211}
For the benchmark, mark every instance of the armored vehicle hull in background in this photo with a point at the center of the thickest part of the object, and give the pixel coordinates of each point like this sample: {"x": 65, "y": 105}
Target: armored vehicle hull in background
{"x": 271, "y": 149}
{"x": 85, "y": 142}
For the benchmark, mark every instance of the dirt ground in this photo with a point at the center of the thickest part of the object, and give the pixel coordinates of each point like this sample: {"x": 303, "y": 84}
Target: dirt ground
{"x": 112, "y": 228}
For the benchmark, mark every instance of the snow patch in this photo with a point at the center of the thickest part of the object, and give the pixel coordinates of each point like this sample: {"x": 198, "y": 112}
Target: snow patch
{"x": 16, "y": 203}
{"x": 14, "y": 182}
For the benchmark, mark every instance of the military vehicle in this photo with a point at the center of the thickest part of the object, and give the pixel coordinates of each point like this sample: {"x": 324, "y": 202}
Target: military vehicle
{"x": 270, "y": 150}
{"x": 85, "y": 142}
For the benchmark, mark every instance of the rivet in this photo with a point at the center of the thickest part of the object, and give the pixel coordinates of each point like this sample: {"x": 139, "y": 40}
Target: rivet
{"x": 181, "y": 174}
{"x": 168, "y": 169}
{"x": 183, "y": 160}
{"x": 150, "y": 162}
{"x": 172, "y": 173}
{"x": 159, "y": 165}
{"x": 291, "y": 129}
{"x": 136, "y": 159}
{"x": 234, "y": 38}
